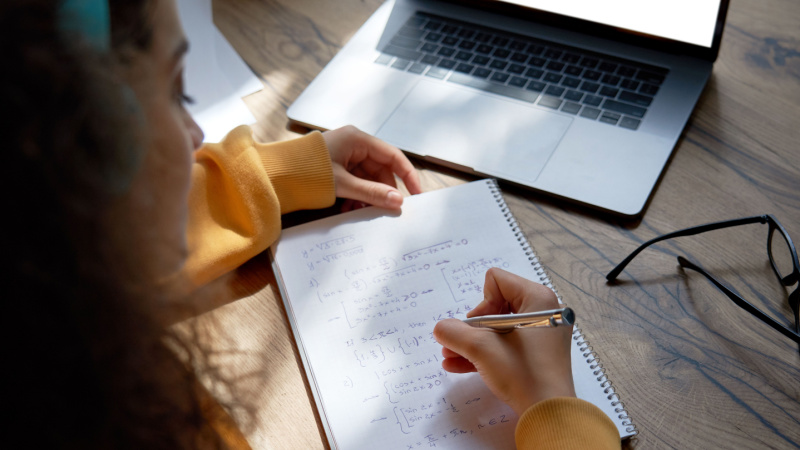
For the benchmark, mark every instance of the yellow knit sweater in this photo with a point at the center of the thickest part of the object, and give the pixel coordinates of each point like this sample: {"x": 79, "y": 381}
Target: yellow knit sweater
{"x": 240, "y": 189}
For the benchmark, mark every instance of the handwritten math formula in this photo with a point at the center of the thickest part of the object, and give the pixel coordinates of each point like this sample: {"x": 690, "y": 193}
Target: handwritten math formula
{"x": 384, "y": 307}
{"x": 365, "y": 298}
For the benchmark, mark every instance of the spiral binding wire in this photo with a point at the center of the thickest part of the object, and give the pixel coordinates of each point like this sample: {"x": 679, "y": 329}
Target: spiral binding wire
{"x": 586, "y": 349}
{"x": 608, "y": 388}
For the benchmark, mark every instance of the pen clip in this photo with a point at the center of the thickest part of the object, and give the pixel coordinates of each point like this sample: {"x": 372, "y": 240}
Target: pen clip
{"x": 551, "y": 321}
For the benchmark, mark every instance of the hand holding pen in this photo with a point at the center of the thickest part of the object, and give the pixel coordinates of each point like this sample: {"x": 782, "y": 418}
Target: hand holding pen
{"x": 521, "y": 367}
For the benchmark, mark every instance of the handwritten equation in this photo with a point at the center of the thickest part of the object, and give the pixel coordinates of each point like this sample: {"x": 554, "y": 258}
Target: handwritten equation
{"x": 366, "y": 294}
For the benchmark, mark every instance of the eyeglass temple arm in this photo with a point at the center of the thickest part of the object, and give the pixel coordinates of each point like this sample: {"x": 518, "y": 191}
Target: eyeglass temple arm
{"x": 742, "y": 303}
{"x": 685, "y": 232}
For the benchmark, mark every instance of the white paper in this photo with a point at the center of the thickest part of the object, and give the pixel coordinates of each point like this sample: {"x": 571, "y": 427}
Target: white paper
{"x": 215, "y": 76}
{"x": 364, "y": 291}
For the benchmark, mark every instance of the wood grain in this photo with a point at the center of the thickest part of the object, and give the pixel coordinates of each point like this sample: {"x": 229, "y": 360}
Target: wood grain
{"x": 693, "y": 370}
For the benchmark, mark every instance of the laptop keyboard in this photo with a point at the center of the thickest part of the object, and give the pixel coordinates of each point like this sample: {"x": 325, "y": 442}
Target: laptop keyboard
{"x": 590, "y": 85}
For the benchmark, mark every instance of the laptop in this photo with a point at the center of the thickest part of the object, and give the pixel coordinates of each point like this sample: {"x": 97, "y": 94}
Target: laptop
{"x": 583, "y": 100}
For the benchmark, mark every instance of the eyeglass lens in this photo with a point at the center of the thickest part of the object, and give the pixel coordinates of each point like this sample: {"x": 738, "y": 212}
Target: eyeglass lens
{"x": 780, "y": 253}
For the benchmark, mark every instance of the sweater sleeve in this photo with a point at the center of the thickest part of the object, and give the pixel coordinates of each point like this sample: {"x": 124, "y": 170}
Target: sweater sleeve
{"x": 566, "y": 423}
{"x": 240, "y": 189}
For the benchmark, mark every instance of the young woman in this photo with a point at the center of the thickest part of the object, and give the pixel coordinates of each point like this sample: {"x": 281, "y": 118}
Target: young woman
{"x": 117, "y": 211}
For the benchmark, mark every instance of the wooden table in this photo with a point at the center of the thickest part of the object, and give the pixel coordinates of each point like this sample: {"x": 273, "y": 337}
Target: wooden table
{"x": 693, "y": 369}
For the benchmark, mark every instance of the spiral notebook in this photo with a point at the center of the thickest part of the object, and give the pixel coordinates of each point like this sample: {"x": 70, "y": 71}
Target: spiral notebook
{"x": 363, "y": 291}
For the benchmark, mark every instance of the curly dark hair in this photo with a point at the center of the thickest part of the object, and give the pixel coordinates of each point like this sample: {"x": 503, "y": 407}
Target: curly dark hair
{"x": 88, "y": 357}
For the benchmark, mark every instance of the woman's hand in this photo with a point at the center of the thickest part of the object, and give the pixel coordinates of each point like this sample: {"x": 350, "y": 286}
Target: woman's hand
{"x": 522, "y": 367}
{"x": 364, "y": 168}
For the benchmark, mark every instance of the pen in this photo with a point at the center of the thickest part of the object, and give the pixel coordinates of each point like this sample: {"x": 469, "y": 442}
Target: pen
{"x": 507, "y": 322}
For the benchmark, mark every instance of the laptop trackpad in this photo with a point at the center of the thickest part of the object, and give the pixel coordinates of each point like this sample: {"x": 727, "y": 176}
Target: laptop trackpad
{"x": 492, "y": 135}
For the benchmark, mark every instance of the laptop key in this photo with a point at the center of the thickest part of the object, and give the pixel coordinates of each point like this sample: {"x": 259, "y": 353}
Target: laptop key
{"x": 648, "y": 89}
{"x": 536, "y": 86}
{"x": 571, "y": 82}
{"x": 464, "y": 68}
{"x": 383, "y": 59}
{"x": 613, "y": 80}
{"x": 485, "y": 49}
{"x": 573, "y": 70}
{"x": 508, "y": 91}
{"x": 405, "y": 42}
{"x": 417, "y": 68}
{"x": 466, "y": 33}
{"x": 588, "y": 86}
{"x": 552, "y": 53}
{"x": 463, "y": 56}
{"x": 499, "y": 77}
{"x": 437, "y": 72}
{"x": 555, "y": 66}
{"x": 449, "y": 40}
{"x": 627, "y": 83}
{"x": 516, "y": 69}
{"x": 636, "y": 99}
{"x": 592, "y": 75}
{"x": 624, "y": 108}
{"x": 555, "y": 91}
{"x": 534, "y": 73}
{"x": 433, "y": 37}
{"x": 481, "y": 72}
{"x": 429, "y": 47}
{"x": 625, "y": 71}
{"x": 498, "y": 64}
{"x": 570, "y": 58}
{"x": 629, "y": 122}
{"x": 574, "y": 96}
{"x": 517, "y": 45}
{"x": 608, "y": 91}
{"x": 519, "y": 57}
{"x": 589, "y": 63}
{"x": 429, "y": 59}
{"x": 537, "y": 62}
{"x": 571, "y": 108}
{"x": 400, "y": 52}
{"x": 447, "y": 63}
{"x": 483, "y": 37}
{"x": 609, "y": 118}
{"x": 433, "y": 26}
{"x": 466, "y": 45}
{"x": 446, "y": 51}
{"x": 517, "y": 82}
{"x": 534, "y": 49}
{"x": 500, "y": 41}
{"x": 411, "y": 32}
{"x": 551, "y": 77}
{"x": 590, "y": 113}
{"x": 550, "y": 102}
{"x": 480, "y": 60}
{"x": 592, "y": 100}
{"x": 501, "y": 53}
{"x": 449, "y": 29}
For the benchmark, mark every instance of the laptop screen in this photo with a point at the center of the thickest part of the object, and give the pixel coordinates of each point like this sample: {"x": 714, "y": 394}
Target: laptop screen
{"x": 689, "y": 21}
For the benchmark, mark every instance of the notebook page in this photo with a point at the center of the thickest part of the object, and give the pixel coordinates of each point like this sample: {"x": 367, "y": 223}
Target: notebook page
{"x": 364, "y": 290}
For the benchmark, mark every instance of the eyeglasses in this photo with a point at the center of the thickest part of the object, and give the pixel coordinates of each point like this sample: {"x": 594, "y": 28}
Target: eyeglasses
{"x": 782, "y": 256}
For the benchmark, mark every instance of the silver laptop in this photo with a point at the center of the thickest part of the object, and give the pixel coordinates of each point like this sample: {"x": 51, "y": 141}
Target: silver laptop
{"x": 581, "y": 99}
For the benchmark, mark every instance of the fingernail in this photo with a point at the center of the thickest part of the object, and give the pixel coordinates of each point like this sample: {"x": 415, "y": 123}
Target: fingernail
{"x": 477, "y": 307}
{"x": 394, "y": 198}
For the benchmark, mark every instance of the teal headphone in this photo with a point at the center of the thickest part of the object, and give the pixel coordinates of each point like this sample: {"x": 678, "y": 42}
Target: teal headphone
{"x": 90, "y": 19}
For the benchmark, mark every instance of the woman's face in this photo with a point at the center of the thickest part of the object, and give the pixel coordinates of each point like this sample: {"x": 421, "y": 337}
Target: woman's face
{"x": 158, "y": 201}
